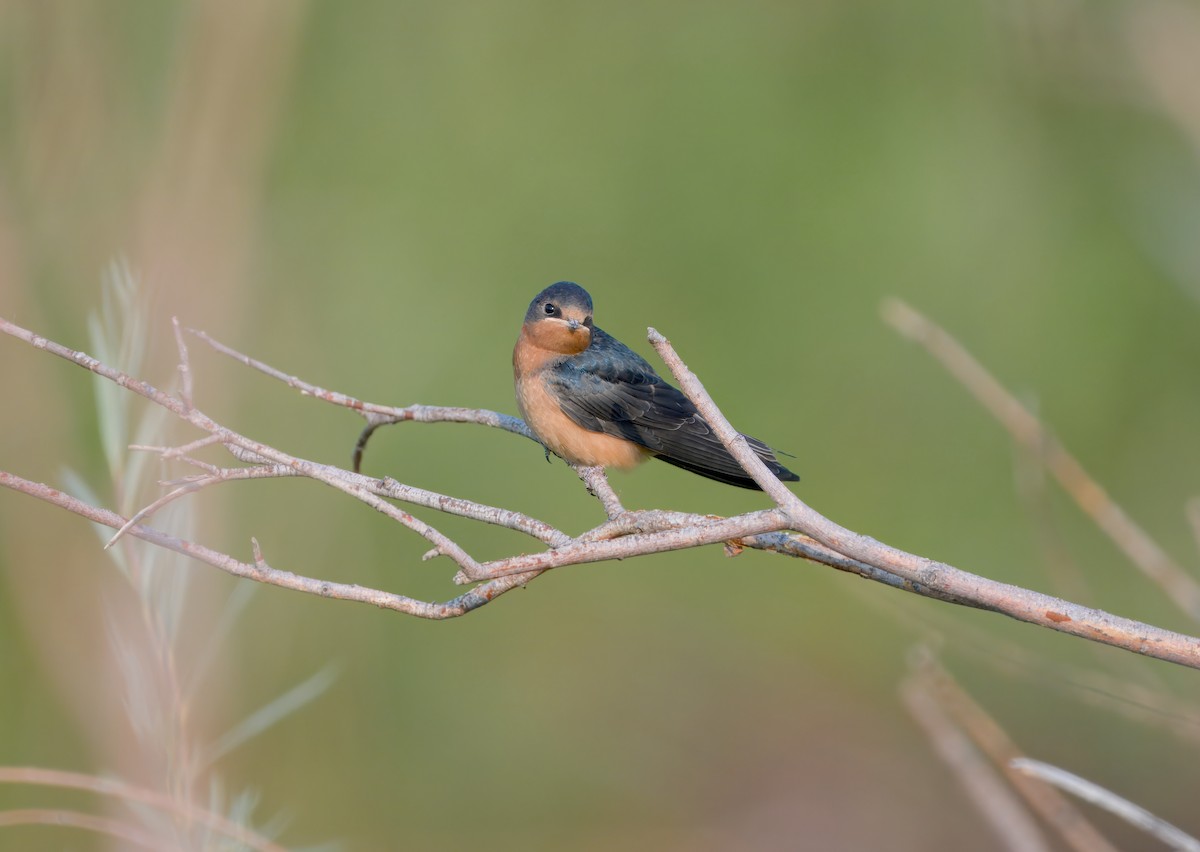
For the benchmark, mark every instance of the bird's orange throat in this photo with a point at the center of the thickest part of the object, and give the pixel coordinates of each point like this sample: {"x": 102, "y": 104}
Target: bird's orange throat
{"x": 557, "y": 336}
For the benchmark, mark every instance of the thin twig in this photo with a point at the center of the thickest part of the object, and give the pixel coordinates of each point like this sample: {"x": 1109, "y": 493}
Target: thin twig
{"x": 598, "y": 486}
{"x": 170, "y": 496}
{"x": 181, "y": 451}
{"x": 377, "y": 415}
{"x": 1092, "y": 792}
{"x": 507, "y": 518}
{"x": 185, "y": 368}
{"x": 385, "y": 487}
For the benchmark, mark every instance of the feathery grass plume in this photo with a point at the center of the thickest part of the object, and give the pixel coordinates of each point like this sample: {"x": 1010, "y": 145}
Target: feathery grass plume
{"x": 160, "y": 680}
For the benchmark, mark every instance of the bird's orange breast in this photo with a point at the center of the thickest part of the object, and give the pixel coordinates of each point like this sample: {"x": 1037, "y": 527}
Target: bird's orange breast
{"x": 562, "y": 435}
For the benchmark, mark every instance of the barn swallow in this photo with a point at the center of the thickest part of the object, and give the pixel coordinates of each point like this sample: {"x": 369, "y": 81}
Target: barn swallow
{"x": 592, "y": 400}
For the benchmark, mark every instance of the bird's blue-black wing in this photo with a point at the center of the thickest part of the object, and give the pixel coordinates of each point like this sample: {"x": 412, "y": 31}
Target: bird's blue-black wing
{"x": 609, "y": 388}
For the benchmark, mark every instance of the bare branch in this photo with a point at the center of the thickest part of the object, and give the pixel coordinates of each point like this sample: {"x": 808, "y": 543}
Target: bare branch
{"x": 1013, "y": 601}
{"x": 1028, "y": 431}
{"x": 379, "y": 415}
{"x": 262, "y": 572}
{"x": 580, "y": 550}
{"x": 791, "y": 529}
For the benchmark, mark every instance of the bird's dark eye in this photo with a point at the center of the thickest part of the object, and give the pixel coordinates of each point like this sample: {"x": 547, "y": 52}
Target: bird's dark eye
{"x": 550, "y": 309}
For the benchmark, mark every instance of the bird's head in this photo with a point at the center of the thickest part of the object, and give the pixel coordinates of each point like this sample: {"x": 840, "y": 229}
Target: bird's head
{"x": 560, "y": 318}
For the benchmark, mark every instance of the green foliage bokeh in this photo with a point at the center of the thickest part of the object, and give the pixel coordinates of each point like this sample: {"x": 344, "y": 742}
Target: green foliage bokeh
{"x": 752, "y": 180}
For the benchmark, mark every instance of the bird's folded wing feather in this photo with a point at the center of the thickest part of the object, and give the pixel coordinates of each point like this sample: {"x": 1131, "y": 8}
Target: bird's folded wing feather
{"x": 609, "y": 388}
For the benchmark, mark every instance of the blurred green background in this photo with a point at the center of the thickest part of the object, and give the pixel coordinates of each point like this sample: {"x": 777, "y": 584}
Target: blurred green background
{"x": 368, "y": 195}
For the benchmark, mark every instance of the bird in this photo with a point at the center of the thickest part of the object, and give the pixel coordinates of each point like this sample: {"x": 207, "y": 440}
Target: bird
{"x": 593, "y": 401}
